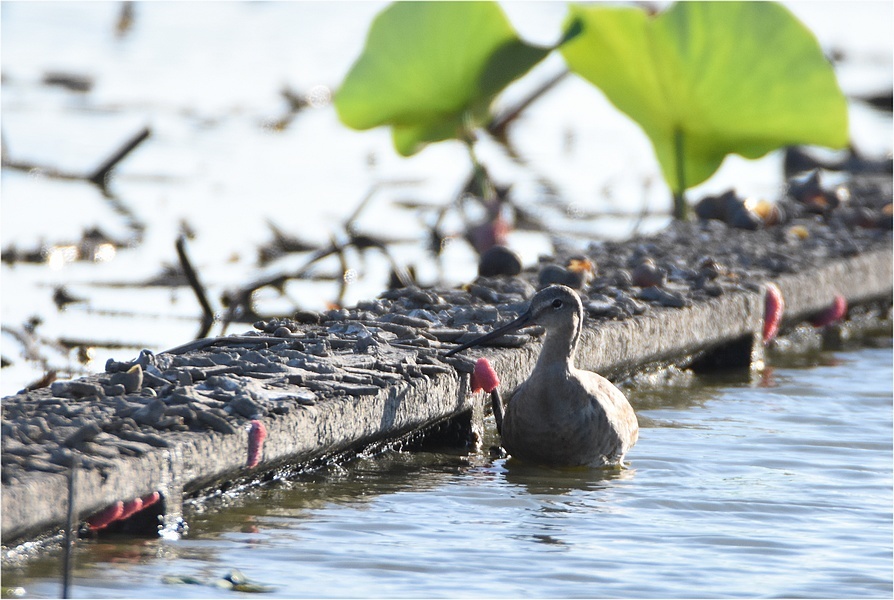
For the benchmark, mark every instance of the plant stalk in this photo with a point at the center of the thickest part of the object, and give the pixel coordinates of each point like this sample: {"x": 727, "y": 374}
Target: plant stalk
{"x": 681, "y": 207}
{"x": 479, "y": 173}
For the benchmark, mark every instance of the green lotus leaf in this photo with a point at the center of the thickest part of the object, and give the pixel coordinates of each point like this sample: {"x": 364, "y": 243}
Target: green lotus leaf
{"x": 707, "y": 79}
{"x": 432, "y": 69}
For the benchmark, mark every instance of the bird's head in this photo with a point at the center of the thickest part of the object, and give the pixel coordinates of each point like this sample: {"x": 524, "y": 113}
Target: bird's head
{"x": 556, "y": 308}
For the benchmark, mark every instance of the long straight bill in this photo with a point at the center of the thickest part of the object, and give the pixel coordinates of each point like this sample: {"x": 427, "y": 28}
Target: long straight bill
{"x": 520, "y": 322}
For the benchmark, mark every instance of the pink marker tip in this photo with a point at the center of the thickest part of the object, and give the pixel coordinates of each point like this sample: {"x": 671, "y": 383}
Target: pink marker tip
{"x": 256, "y": 436}
{"x": 106, "y": 516}
{"x": 150, "y": 499}
{"x": 484, "y": 377}
{"x": 774, "y": 305}
{"x": 131, "y": 508}
{"x": 833, "y": 313}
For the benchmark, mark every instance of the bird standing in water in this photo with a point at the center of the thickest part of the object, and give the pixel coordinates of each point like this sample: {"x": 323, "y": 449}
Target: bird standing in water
{"x": 560, "y": 415}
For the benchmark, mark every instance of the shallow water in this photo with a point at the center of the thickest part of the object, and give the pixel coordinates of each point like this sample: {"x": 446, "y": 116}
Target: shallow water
{"x": 774, "y": 485}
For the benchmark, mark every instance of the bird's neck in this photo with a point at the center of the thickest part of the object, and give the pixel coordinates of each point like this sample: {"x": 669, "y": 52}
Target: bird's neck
{"x": 559, "y": 348}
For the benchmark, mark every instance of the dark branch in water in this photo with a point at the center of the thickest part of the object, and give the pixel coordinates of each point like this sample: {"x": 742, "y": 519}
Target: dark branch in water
{"x": 196, "y": 285}
{"x": 239, "y": 302}
{"x": 101, "y": 174}
{"x": 125, "y": 19}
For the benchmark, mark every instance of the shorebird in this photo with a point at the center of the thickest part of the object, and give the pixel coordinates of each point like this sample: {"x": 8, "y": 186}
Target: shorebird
{"x": 560, "y": 415}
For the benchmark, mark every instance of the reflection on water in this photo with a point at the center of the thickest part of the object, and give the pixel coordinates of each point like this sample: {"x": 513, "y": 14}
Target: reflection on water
{"x": 541, "y": 481}
{"x": 734, "y": 486}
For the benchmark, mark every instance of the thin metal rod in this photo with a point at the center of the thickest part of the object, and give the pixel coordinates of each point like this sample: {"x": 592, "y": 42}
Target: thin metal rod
{"x": 496, "y": 404}
{"x": 70, "y": 522}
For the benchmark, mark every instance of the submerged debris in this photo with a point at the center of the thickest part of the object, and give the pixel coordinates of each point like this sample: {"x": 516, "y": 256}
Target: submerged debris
{"x": 232, "y": 580}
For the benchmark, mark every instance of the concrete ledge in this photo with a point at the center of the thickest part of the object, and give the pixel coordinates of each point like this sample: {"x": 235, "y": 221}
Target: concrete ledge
{"x": 202, "y": 460}
{"x": 196, "y": 461}
{"x": 860, "y": 279}
{"x": 668, "y": 336}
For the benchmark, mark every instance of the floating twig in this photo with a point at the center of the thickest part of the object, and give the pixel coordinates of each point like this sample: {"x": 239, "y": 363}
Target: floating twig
{"x": 99, "y": 176}
{"x": 239, "y": 302}
{"x": 644, "y": 212}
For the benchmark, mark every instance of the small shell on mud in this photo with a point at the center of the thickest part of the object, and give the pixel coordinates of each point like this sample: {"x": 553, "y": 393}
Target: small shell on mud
{"x": 769, "y": 212}
{"x": 729, "y": 208}
{"x": 577, "y": 273}
{"x": 648, "y": 274}
{"x": 798, "y": 232}
{"x": 663, "y": 297}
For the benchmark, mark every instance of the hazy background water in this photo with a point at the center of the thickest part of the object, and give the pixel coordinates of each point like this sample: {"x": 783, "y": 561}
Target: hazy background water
{"x": 206, "y": 77}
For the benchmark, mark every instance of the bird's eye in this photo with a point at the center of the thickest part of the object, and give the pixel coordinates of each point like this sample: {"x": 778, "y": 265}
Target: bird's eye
{"x": 557, "y": 303}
